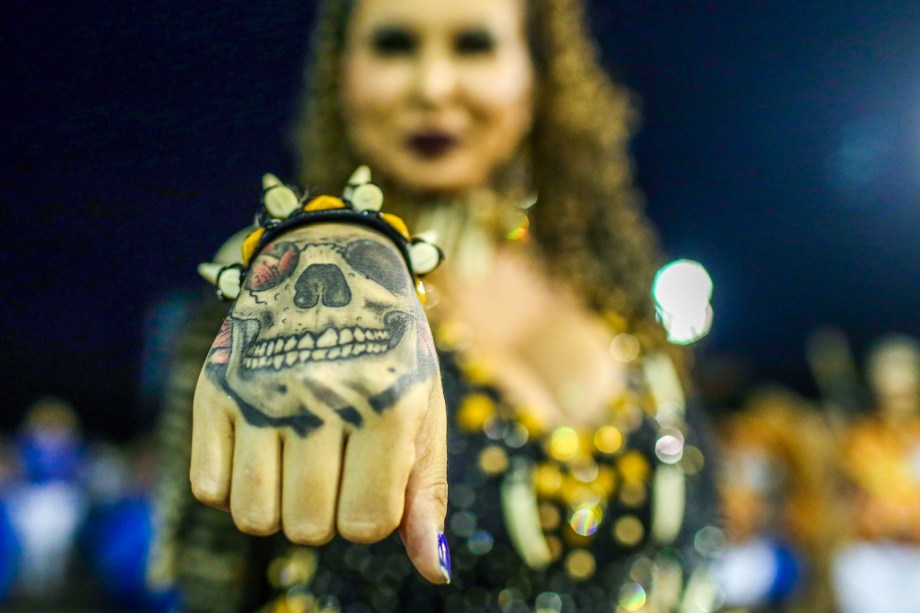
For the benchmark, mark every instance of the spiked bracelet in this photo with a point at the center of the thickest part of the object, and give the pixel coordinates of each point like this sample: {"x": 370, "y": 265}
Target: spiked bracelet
{"x": 283, "y": 210}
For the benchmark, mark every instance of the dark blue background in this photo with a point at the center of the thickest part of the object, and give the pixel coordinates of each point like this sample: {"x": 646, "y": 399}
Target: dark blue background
{"x": 780, "y": 147}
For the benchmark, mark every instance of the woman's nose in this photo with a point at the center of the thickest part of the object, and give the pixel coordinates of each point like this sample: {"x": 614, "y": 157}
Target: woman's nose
{"x": 436, "y": 79}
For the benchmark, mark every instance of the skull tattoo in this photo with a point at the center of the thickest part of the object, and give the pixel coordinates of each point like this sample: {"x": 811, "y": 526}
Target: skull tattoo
{"x": 325, "y": 326}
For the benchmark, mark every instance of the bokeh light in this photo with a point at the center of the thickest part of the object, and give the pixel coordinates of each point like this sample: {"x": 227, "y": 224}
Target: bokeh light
{"x": 682, "y": 290}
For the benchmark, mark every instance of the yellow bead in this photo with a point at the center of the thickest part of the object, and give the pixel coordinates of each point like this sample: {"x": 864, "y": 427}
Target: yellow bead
{"x": 605, "y": 482}
{"x": 628, "y": 530}
{"x": 398, "y": 224}
{"x": 608, "y": 439}
{"x": 634, "y": 467}
{"x": 633, "y": 494}
{"x": 477, "y": 372}
{"x": 324, "y": 203}
{"x": 548, "y": 480}
{"x": 250, "y": 243}
{"x": 550, "y": 517}
{"x": 420, "y": 291}
{"x": 493, "y": 460}
{"x": 580, "y": 564}
{"x": 530, "y": 422}
{"x": 474, "y": 412}
{"x": 563, "y": 444}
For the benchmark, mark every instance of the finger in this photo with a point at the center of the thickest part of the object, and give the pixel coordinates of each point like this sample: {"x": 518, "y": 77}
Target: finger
{"x": 255, "y": 493}
{"x": 310, "y": 483}
{"x": 212, "y": 445}
{"x": 422, "y": 527}
{"x": 378, "y": 460}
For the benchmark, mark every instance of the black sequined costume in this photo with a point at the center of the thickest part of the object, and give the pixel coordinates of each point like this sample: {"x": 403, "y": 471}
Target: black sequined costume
{"x": 603, "y": 554}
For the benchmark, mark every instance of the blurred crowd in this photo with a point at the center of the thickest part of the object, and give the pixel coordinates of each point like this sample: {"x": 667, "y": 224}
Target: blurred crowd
{"x": 820, "y": 498}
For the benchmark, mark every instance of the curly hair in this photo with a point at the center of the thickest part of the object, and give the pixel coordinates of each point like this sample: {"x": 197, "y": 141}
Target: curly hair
{"x": 588, "y": 224}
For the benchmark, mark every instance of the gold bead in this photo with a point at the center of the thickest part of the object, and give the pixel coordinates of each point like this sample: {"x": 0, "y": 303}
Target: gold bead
{"x": 550, "y": 516}
{"x": 628, "y": 530}
{"x": 493, "y": 460}
{"x": 580, "y": 564}
{"x": 548, "y": 480}
{"x": 563, "y": 444}
{"x": 633, "y": 494}
{"x": 608, "y": 439}
{"x": 474, "y": 412}
{"x": 634, "y": 467}
{"x": 605, "y": 482}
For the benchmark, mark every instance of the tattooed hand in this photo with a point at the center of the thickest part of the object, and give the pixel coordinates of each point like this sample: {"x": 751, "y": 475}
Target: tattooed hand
{"x": 319, "y": 409}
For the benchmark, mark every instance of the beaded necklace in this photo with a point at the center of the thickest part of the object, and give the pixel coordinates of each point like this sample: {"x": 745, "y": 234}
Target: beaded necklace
{"x": 621, "y": 481}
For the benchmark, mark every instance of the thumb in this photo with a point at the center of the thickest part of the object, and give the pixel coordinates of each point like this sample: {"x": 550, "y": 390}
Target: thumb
{"x": 422, "y": 526}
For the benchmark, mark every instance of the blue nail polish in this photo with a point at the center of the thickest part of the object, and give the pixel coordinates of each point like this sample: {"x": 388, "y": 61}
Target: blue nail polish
{"x": 444, "y": 556}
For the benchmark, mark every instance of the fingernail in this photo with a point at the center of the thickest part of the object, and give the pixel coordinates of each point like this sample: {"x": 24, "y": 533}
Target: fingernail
{"x": 444, "y": 556}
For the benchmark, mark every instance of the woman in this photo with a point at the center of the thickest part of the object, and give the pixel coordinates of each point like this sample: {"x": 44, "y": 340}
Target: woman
{"x": 466, "y": 112}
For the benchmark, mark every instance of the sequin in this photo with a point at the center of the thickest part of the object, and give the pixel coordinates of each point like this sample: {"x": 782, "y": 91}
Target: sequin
{"x": 563, "y": 444}
{"x": 495, "y": 428}
{"x": 555, "y": 547}
{"x": 631, "y": 597}
{"x": 516, "y": 436}
{"x": 462, "y": 524}
{"x": 480, "y": 542}
{"x": 608, "y": 439}
{"x": 474, "y": 412}
{"x": 693, "y": 461}
{"x": 575, "y": 493}
{"x": 548, "y": 602}
{"x": 329, "y": 604}
{"x": 462, "y": 496}
{"x": 357, "y": 558}
{"x": 625, "y": 347}
{"x": 670, "y": 446}
{"x": 709, "y": 541}
{"x": 493, "y": 460}
{"x": 628, "y": 530}
{"x": 580, "y": 564}
{"x": 586, "y": 519}
{"x": 297, "y": 567}
{"x": 530, "y": 421}
{"x": 643, "y": 571}
{"x": 295, "y": 601}
{"x": 550, "y": 516}
{"x": 508, "y": 597}
{"x": 584, "y": 470}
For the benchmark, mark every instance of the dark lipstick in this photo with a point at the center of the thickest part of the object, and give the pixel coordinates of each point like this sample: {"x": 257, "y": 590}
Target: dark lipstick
{"x": 432, "y": 144}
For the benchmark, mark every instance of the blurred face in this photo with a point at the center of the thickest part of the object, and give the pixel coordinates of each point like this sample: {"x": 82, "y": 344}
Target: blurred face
{"x": 437, "y": 94}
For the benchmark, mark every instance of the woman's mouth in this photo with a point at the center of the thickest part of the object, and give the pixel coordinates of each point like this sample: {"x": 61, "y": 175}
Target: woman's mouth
{"x": 432, "y": 144}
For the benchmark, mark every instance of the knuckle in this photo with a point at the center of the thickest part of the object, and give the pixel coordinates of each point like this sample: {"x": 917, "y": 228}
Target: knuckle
{"x": 209, "y": 492}
{"x": 309, "y": 533}
{"x": 367, "y": 530}
{"x": 437, "y": 493}
{"x": 256, "y": 523}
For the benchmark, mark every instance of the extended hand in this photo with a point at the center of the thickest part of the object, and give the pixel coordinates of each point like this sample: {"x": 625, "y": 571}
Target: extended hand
{"x": 319, "y": 409}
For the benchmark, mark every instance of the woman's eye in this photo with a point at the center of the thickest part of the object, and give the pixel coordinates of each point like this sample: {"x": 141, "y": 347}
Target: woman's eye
{"x": 393, "y": 41}
{"x": 475, "y": 42}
